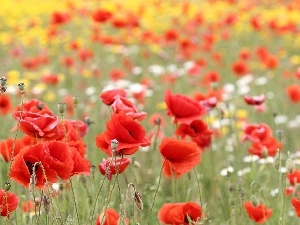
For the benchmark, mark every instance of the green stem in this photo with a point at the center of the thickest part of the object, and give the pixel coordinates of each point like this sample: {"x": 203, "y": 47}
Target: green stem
{"x": 149, "y": 216}
{"x": 74, "y": 200}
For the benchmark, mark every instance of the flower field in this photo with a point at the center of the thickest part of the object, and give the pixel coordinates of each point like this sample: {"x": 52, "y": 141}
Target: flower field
{"x": 151, "y": 113}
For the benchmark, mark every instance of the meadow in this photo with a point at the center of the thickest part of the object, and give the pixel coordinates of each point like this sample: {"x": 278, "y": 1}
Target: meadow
{"x": 166, "y": 112}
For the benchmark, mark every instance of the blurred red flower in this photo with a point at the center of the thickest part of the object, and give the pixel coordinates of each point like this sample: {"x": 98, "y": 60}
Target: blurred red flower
{"x": 293, "y": 91}
{"x": 126, "y": 131}
{"x": 296, "y": 203}
{"x": 179, "y": 213}
{"x": 28, "y": 206}
{"x": 110, "y": 217}
{"x": 110, "y": 166}
{"x": 5, "y": 104}
{"x": 9, "y": 202}
{"x": 53, "y": 156}
{"x": 181, "y": 156}
{"x": 259, "y": 213}
{"x": 268, "y": 147}
{"x": 256, "y": 132}
{"x": 254, "y": 100}
{"x": 109, "y": 96}
{"x": 294, "y": 177}
{"x": 198, "y": 131}
{"x": 127, "y": 106}
{"x": 240, "y": 68}
{"x": 58, "y": 18}
{"x": 183, "y": 108}
{"x": 32, "y": 105}
{"x": 51, "y": 79}
{"x": 101, "y": 15}
{"x": 116, "y": 74}
{"x": 40, "y": 125}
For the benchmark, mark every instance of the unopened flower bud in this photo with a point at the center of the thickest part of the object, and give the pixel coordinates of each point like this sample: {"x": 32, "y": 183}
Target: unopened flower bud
{"x": 279, "y": 134}
{"x": 3, "y": 81}
{"x": 138, "y": 200}
{"x": 7, "y": 186}
{"x": 61, "y": 108}
{"x": 114, "y": 144}
{"x": 21, "y": 87}
{"x": 290, "y": 166}
{"x": 158, "y": 121}
{"x": 254, "y": 201}
{"x": 75, "y": 100}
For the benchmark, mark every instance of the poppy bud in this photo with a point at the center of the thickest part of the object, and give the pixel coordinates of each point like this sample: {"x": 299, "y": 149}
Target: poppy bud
{"x": 279, "y": 134}
{"x": 3, "y": 81}
{"x": 61, "y": 107}
{"x": 254, "y": 200}
{"x": 7, "y": 186}
{"x": 75, "y": 100}
{"x": 290, "y": 166}
{"x": 138, "y": 200}
{"x": 114, "y": 144}
{"x": 21, "y": 87}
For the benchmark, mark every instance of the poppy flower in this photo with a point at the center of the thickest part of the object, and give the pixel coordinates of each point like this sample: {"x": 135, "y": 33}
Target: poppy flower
{"x": 181, "y": 156}
{"x": 256, "y": 132}
{"x": 40, "y": 125}
{"x": 101, "y": 15}
{"x": 85, "y": 54}
{"x": 294, "y": 177}
{"x": 211, "y": 77}
{"x": 54, "y": 156}
{"x": 198, "y": 131}
{"x": 126, "y": 131}
{"x": 254, "y": 100}
{"x": 259, "y": 213}
{"x": 28, "y": 206}
{"x": 268, "y": 147}
{"x": 5, "y": 104}
{"x": 110, "y": 166}
{"x": 58, "y": 18}
{"x": 240, "y": 68}
{"x": 127, "y": 106}
{"x": 171, "y": 35}
{"x": 81, "y": 165}
{"x": 116, "y": 74}
{"x": 293, "y": 91}
{"x": 109, "y": 96}
{"x": 9, "y": 202}
{"x": 296, "y": 203}
{"x": 110, "y": 217}
{"x": 51, "y": 79}
{"x": 179, "y": 213}
{"x": 183, "y": 108}
{"x": 32, "y": 105}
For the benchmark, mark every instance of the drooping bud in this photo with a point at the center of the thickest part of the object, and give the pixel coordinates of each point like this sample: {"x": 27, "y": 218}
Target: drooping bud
{"x": 254, "y": 201}
{"x": 21, "y": 87}
{"x": 279, "y": 134}
{"x": 7, "y": 186}
{"x": 61, "y": 107}
{"x": 3, "y": 81}
{"x": 138, "y": 200}
{"x": 290, "y": 166}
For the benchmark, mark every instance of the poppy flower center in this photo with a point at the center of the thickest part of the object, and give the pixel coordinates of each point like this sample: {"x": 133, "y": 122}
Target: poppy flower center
{"x": 31, "y": 166}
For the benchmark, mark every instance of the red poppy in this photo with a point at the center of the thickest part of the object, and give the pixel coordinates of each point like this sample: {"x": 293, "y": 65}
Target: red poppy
{"x": 268, "y": 147}
{"x": 171, "y": 35}
{"x": 293, "y": 91}
{"x": 127, "y": 106}
{"x": 183, "y": 108}
{"x": 51, "y": 79}
{"x": 157, "y": 119}
{"x": 181, "y": 156}
{"x": 116, "y": 74}
{"x": 41, "y": 125}
{"x": 259, "y": 213}
{"x": 198, "y": 131}
{"x": 32, "y": 105}
{"x": 9, "y": 202}
{"x": 53, "y": 156}
{"x": 101, "y": 15}
{"x": 5, "y": 104}
{"x": 210, "y": 77}
{"x": 110, "y": 217}
{"x": 254, "y": 100}
{"x": 294, "y": 177}
{"x": 240, "y": 68}
{"x": 85, "y": 54}
{"x": 60, "y": 18}
{"x": 81, "y": 165}
{"x": 296, "y": 203}
{"x": 126, "y": 131}
{"x": 180, "y": 213}
{"x": 109, "y": 96}
{"x": 110, "y": 167}
{"x": 6, "y": 146}
{"x": 271, "y": 61}
{"x": 28, "y": 206}
{"x": 256, "y": 132}
{"x": 67, "y": 61}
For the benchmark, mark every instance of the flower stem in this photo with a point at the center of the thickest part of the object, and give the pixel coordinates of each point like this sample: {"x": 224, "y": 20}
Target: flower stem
{"x": 74, "y": 200}
{"x": 149, "y": 215}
